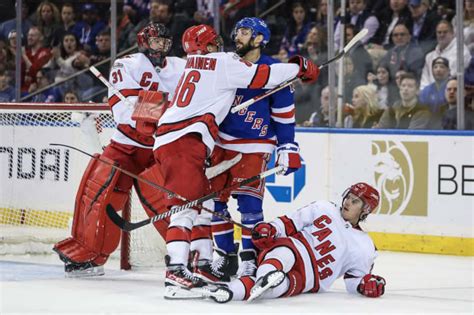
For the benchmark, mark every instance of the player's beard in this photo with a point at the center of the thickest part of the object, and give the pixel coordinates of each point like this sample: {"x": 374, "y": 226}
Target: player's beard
{"x": 242, "y": 51}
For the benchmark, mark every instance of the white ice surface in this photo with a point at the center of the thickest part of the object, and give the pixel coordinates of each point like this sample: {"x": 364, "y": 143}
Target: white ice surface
{"x": 416, "y": 283}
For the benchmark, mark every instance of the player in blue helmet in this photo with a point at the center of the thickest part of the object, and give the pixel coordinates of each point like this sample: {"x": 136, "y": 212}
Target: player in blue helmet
{"x": 254, "y": 132}
{"x": 257, "y": 27}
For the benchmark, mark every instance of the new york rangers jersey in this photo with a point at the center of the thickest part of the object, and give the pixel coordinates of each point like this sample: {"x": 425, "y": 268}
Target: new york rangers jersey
{"x": 129, "y": 75}
{"x": 206, "y": 92}
{"x": 264, "y": 124}
{"x": 330, "y": 246}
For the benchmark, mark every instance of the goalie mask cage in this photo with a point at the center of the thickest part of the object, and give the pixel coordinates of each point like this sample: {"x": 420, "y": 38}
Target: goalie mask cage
{"x": 39, "y": 182}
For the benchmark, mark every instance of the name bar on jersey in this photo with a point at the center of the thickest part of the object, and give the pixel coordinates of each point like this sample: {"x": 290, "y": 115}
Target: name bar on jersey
{"x": 201, "y": 63}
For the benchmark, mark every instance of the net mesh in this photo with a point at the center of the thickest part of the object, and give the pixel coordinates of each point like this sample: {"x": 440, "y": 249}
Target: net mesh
{"x": 39, "y": 181}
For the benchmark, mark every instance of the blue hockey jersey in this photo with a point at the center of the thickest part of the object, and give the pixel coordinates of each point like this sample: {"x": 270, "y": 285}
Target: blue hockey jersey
{"x": 262, "y": 125}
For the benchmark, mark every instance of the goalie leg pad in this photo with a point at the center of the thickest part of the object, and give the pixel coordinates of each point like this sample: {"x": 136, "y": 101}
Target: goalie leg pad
{"x": 153, "y": 200}
{"x": 94, "y": 235}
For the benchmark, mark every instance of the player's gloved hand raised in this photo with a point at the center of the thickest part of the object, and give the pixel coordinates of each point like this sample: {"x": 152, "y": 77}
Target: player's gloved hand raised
{"x": 372, "y": 286}
{"x": 263, "y": 235}
{"x": 309, "y": 71}
{"x": 288, "y": 156}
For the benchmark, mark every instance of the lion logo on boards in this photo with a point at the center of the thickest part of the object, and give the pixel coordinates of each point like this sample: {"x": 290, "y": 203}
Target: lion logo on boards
{"x": 401, "y": 177}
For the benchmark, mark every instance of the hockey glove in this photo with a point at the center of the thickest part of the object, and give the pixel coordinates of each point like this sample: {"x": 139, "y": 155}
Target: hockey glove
{"x": 288, "y": 156}
{"x": 309, "y": 71}
{"x": 371, "y": 286}
{"x": 263, "y": 235}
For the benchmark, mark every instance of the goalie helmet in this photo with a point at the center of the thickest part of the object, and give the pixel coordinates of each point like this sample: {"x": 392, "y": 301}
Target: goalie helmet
{"x": 155, "y": 40}
{"x": 256, "y": 25}
{"x": 368, "y": 194}
{"x": 196, "y": 38}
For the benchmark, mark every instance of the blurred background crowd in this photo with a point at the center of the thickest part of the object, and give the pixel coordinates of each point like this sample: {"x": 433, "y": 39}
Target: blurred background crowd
{"x": 401, "y": 76}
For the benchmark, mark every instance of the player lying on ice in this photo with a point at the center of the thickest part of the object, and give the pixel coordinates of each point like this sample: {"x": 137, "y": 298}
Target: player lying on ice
{"x": 307, "y": 250}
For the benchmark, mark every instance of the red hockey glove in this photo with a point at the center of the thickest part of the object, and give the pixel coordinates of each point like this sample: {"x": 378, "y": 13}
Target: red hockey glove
{"x": 288, "y": 156}
{"x": 263, "y": 235}
{"x": 309, "y": 71}
{"x": 371, "y": 286}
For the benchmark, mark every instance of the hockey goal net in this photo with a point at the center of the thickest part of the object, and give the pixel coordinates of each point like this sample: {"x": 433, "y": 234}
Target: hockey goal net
{"x": 38, "y": 182}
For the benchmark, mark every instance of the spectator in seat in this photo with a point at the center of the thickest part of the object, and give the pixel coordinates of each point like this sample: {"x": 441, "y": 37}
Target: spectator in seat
{"x": 360, "y": 17}
{"x": 446, "y": 48}
{"x": 407, "y": 113}
{"x": 320, "y": 118}
{"x": 87, "y": 29}
{"x": 7, "y": 92}
{"x": 299, "y": 26}
{"x": 396, "y": 13}
{"x": 425, "y": 20}
{"x": 321, "y": 15}
{"x": 10, "y": 25}
{"x": 385, "y": 88}
{"x": 398, "y": 77}
{"x": 362, "y": 61}
{"x": 364, "y": 112}
{"x": 307, "y": 95}
{"x": 161, "y": 11}
{"x": 68, "y": 22}
{"x": 351, "y": 79}
{"x": 404, "y": 55}
{"x": 433, "y": 95}
{"x": 69, "y": 58}
{"x": 50, "y": 95}
{"x": 34, "y": 58}
{"x": 71, "y": 97}
{"x": 449, "y": 119}
{"x": 10, "y": 53}
{"x": 468, "y": 24}
{"x": 48, "y": 21}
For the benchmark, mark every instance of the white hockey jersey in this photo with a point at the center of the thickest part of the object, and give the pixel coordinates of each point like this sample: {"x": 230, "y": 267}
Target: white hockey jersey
{"x": 206, "y": 92}
{"x": 129, "y": 75}
{"x": 335, "y": 248}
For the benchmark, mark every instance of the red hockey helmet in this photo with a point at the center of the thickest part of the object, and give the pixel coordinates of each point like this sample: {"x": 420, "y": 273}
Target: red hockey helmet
{"x": 155, "y": 40}
{"x": 368, "y": 194}
{"x": 196, "y": 38}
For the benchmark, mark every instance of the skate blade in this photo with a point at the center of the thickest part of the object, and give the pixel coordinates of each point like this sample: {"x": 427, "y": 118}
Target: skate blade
{"x": 179, "y": 293}
{"x": 90, "y": 272}
{"x": 273, "y": 281}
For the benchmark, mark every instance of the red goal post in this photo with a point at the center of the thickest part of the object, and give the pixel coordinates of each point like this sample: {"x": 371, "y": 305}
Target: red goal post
{"x": 39, "y": 182}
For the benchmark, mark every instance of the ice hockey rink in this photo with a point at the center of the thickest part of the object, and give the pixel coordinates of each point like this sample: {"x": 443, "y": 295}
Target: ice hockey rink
{"x": 416, "y": 283}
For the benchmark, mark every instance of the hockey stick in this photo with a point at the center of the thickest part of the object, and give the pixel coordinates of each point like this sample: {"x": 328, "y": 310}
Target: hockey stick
{"x": 118, "y": 220}
{"x": 223, "y": 166}
{"x": 156, "y": 186}
{"x": 129, "y": 226}
{"x": 102, "y": 79}
{"x": 283, "y": 85}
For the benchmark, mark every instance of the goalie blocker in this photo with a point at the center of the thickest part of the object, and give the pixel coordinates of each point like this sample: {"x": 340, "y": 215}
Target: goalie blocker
{"x": 94, "y": 235}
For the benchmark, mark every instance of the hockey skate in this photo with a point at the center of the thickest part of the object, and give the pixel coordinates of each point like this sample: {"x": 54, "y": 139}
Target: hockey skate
{"x": 180, "y": 276}
{"x": 269, "y": 281}
{"x": 248, "y": 265}
{"x": 81, "y": 270}
{"x": 219, "y": 270}
{"x": 219, "y": 294}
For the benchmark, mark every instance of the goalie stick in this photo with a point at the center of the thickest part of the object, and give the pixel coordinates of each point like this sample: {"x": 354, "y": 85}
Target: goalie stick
{"x": 129, "y": 226}
{"x": 283, "y": 85}
{"x": 102, "y": 79}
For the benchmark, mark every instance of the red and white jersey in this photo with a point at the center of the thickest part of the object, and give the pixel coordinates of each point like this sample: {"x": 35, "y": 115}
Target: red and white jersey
{"x": 329, "y": 246}
{"x": 206, "y": 92}
{"x": 129, "y": 75}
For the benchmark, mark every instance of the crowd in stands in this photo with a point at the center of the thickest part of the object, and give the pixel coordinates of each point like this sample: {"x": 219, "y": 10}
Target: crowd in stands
{"x": 401, "y": 75}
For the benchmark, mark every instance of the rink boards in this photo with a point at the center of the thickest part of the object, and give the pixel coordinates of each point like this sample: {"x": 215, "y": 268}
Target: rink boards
{"x": 426, "y": 179}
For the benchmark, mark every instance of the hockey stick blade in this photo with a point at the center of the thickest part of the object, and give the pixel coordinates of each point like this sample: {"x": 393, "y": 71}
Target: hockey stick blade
{"x": 283, "y": 85}
{"x": 129, "y": 226}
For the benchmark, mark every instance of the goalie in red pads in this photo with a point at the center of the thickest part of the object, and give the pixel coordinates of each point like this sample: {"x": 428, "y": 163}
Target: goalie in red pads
{"x": 150, "y": 75}
{"x": 307, "y": 250}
